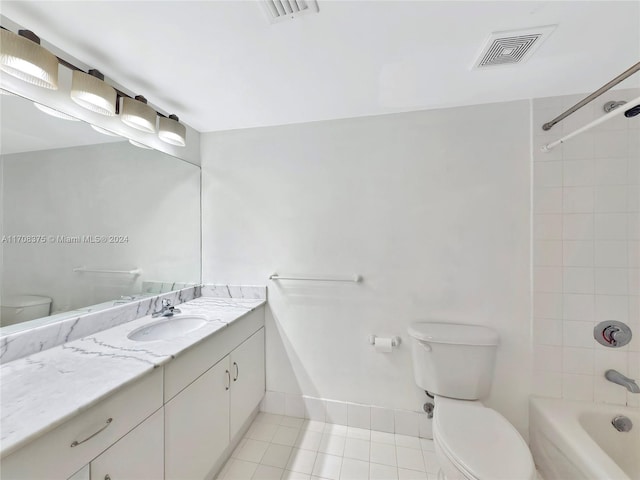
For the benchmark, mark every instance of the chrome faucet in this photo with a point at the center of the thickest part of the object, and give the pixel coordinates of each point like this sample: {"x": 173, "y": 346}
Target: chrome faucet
{"x": 628, "y": 383}
{"x": 167, "y": 309}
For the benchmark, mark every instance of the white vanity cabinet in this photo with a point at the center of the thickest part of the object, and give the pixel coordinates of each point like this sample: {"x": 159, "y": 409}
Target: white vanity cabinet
{"x": 202, "y": 420}
{"x": 247, "y": 380}
{"x": 176, "y": 423}
{"x": 139, "y": 455}
{"x": 197, "y": 426}
{"x": 63, "y": 451}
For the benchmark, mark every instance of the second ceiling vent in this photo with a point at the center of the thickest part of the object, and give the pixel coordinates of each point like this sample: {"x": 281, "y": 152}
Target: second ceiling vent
{"x": 516, "y": 46}
{"x": 279, "y": 10}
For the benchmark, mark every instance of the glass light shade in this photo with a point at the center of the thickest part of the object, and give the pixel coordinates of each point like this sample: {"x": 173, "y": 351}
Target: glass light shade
{"x": 139, "y": 145}
{"x": 138, "y": 115}
{"x": 172, "y": 131}
{"x": 93, "y": 94}
{"x": 28, "y": 61}
{"x": 54, "y": 113}
{"x": 104, "y": 131}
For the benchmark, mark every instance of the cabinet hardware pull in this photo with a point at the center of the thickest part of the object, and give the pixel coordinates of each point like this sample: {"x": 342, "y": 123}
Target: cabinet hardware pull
{"x": 76, "y": 443}
{"x": 228, "y": 380}
{"x": 237, "y": 371}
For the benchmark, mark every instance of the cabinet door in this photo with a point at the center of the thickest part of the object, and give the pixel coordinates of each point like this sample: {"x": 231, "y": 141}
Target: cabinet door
{"x": 82, "y": 474}
{"x": 247, "y": 384}
{"x": 197, "y": 425}
{"x": 139, "y": 455}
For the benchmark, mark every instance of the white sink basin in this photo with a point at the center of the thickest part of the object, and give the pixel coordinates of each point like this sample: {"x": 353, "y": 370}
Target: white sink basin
{"x": 167, "y": 328}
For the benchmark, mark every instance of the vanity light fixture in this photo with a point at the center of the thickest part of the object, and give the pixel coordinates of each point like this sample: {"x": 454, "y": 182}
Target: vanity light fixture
{"x": 172, "y": 131}
{"x": 54, "y": 113}
{"x": 91, "y": 92}
{"x": 137, "y": 114}
{"x": 22, "y": 57}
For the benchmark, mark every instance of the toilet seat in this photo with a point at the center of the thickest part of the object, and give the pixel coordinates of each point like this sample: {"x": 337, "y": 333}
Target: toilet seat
{"x": 480, "y": 442}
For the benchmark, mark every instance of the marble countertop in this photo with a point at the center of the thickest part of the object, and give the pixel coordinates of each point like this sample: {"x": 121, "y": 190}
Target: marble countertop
{"x": 41, "y": 391}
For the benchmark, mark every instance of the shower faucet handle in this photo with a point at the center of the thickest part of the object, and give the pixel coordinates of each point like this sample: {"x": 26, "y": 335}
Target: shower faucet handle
{"x": 612, "y": 333}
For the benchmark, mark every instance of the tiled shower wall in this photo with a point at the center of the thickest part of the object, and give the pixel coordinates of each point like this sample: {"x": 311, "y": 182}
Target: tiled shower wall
{"x": 586, "y": 250}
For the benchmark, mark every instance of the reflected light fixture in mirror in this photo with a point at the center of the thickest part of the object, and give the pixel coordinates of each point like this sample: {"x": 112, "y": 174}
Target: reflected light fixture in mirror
{"x": 139, "y": 145}
{"x": 172, "y": 131}
{"x": 54, "y": 113}
{"x": 137, "y": 114}
{"x": 22, "y": 57}
{"x": 91, "y": 92}
{"x": 104, "y": 131}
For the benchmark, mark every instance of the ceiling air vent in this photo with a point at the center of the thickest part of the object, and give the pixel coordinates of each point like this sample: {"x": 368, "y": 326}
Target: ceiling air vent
{"x": 516, "y": 46}
{"x": 279, "y": 10}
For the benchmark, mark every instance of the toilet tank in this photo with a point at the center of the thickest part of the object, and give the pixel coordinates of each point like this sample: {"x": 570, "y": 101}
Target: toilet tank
{"x": 453, "y": 360}
{"x": 20, "y": 308}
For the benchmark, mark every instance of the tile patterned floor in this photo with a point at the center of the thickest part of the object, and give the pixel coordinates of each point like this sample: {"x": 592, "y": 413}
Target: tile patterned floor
{"x": 278, "y": 447}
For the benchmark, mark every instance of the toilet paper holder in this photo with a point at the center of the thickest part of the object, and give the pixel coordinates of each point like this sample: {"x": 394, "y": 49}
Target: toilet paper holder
{"x": 395, "y": 341}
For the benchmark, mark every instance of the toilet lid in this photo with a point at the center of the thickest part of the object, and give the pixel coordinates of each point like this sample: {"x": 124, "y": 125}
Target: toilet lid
{"x": 481, "y": 442}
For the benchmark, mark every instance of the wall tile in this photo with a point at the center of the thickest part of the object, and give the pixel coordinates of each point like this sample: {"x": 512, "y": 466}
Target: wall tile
{"x": 610, "y": 171}
{"x": 548, "y": 384}
{"x": 547, "y": 331}
{"x": 577, "y": 307}
{"x": 382, "y": 420}
{"x": 611, "y": 307}
{"x": 406, "y": 423}
{"x": 577, "y": 387}
{"x": 577, "y": 334}
{"x": 578, "y": 280}
{"x": 612, "y": 144}
{"x": 610, "y": 226}
{"x": 577, "y": 200}
{"x": 315, "y": 409}
{"x": 578, "y": 360}
{"x": 336, "y": 412}
{"x": 613, "y": 281}
{"x": 547, "y": 358}
{"x": 577, "y": 226}
{"x": 547, "y": 227}
{"x": 600, "y": 225}
{"x": 358, "y": 416}
{"x": 547, "y": 305}
{"x": 547, "y": 279}
{"x": 577, "y": 253}
{"x": 577, "y": 173}
{"x": 610, "y": 253}
{"x": 549, "y": 174}
{"x": 610, "y": 198}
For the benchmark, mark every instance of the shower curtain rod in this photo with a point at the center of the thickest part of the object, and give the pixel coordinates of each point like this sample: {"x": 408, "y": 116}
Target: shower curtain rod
{"x": 626, "y": 74}
{"x": 589, "y": 126}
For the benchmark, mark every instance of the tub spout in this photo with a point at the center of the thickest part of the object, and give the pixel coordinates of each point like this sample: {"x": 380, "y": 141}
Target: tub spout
{"x": 628, "y": 383}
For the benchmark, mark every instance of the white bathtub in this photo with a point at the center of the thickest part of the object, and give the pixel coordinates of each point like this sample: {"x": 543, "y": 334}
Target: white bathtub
{"x": 575, "y": 441}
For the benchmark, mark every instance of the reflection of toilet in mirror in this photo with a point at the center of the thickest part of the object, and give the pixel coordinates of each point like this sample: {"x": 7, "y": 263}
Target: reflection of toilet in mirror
{"x": 455, "y": 364}
{"x": 20, "y": 308}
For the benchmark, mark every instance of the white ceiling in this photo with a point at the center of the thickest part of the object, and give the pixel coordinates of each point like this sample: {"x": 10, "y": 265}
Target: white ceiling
{"x": 222, "y": 65}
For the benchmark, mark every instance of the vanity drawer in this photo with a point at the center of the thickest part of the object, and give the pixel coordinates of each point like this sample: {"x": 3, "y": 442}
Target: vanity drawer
{"x": 52, "y": 456}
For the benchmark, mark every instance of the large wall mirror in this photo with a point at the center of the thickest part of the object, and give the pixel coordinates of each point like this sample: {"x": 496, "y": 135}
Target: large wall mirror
{"x": 88, "y": 220}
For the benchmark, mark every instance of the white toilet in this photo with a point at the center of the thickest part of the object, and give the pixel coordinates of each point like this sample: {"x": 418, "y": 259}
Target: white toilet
{"x": 454, "y": 363}
{"x": 20, "y": 308}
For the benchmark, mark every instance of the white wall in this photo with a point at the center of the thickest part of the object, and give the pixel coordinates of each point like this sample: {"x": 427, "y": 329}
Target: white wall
{"x": 586, "y": 250}
{"x": 106, "y": 189}
{"x": 431, "y": 207}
